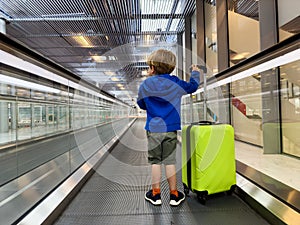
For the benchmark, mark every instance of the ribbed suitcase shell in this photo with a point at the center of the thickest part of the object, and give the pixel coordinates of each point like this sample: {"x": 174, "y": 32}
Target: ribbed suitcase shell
{"x": 212, "y": 158}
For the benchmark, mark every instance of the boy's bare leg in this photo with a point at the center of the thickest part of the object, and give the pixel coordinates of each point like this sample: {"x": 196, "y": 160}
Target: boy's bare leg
{"x": 171, "y": 176}
{"x": 156, "y": 175}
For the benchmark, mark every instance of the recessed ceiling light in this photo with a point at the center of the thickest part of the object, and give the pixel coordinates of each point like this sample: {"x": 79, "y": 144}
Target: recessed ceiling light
{"x": 109, "y": 73}
{"x": 98, "y": 58}
{"x": 115, "y": 79}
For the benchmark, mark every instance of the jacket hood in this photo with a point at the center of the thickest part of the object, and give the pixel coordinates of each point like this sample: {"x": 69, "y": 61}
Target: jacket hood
{"x": 162, "y": 86}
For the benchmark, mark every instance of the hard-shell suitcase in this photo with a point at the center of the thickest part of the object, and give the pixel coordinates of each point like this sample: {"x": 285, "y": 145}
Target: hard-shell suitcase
{"x": 208, "y": 159}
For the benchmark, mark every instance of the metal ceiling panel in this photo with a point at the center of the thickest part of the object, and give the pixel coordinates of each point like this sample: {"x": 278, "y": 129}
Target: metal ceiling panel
{"x": 98, "y": 38}
{"x": 247, "y": 8}
{"x": 38, "y": 42}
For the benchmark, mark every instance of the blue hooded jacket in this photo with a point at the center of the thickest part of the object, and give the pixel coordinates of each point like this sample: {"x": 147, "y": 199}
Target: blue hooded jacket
{"x": 160, "y": 95}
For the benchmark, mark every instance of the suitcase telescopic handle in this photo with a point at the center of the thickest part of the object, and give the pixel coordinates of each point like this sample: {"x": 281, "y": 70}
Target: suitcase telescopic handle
{"x": 204, "y": 68}
{"x": 201, "y": 67}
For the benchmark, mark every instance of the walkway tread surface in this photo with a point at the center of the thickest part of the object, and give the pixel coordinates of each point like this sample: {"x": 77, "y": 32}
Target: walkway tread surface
{"x": 114, "y": 195}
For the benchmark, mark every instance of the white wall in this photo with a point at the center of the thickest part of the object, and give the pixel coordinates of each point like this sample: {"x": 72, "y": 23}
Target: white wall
{"x": 243, "y": 34}
{"x": 287, "y": 10}
{"x": 245, "y": 129}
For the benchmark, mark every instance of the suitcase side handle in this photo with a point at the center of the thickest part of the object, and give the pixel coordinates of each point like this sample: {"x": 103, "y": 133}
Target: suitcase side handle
{"x": 204, "y": 122}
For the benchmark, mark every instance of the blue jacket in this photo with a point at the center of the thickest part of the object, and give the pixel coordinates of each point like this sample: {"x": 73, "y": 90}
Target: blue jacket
{"x": 160, "y": 95}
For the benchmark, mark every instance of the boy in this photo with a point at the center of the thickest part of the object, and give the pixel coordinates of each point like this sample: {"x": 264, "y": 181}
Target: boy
{"x": 160, "y": 95}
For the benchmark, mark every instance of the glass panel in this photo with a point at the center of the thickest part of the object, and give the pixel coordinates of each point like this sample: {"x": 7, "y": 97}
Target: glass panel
{"x": 38, "y": 95}
{"x": 243, "y": 28}
{"x": 211, "y": 37}
{"x": 23, "y": 92}
{"x": 63, "y": 120}
{"x": 38, "y": 126}
{"x": 247, "y": 110}
{"x": 290, "y": 107}
{"x": 216, "y": 105}
{"x": 185, "y": 111}
{"x": 197, "y": 111}
{"x": 38, "y": 111}
{"x": 38, "y": 115}
{"x": 51, "y": 118}
{"x": 72, "y": 117}
{"x": 288, "y": 18}
{"x": 24, "y": 120}
{"x": 7, "y": 122}
{"x": 4, "y": 88}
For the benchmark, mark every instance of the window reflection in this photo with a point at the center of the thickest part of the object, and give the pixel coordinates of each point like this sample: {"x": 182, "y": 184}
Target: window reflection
{"x": 33, "y": 112}
{"x": 7, "y": 122}
{"x": 243, "y": 28}
{"x": 211, "y": 36}
{"x": 290, "y": 107}
{"x": 288, "y": 18}
{"x": 247, "y": 109}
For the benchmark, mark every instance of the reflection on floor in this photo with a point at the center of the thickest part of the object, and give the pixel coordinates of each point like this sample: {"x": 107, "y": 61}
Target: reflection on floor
{"x": 26, "y": 133}
{"x": 283, "y": 168}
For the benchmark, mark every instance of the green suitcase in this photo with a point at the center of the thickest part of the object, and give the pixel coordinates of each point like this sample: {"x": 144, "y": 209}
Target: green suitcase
{"x": 208, "y": 159}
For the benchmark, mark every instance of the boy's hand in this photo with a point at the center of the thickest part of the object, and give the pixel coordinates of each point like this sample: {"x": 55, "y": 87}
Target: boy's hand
{"x": 195, "y": 68}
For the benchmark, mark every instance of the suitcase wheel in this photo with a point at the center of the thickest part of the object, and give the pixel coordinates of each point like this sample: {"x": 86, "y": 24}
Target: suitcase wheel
{"x": 186, "y": 190}
{"x": 202, "y": 196}
{"x": 232, "y": 188}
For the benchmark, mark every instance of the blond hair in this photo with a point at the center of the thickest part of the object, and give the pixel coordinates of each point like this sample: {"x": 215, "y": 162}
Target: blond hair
{"x": 162, "y": 60}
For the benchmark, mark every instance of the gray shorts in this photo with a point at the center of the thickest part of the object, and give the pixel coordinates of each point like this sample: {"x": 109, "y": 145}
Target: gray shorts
{"x": 162, "y": 147}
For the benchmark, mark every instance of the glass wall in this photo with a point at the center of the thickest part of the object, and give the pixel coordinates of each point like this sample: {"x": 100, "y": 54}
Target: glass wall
{"x": 288, "y": 18}
{"x": 36, "y": 142}
{"x": 243, "y": 28}
{"x": 30, "y": 108}
{"x": 247, "y": 109}
{"x": 33, "y": 109}
{"x": 214, "y": 109}
{"x": 210, "y": 11}
{"x": 27, "y": 111}
{"x": 257, "y": 111}
{"x": 7, "y": 121}
{"x": 290, "y": 107}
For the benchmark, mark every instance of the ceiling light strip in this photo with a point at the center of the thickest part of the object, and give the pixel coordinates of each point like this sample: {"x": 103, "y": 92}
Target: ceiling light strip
{"x": 26, "y": 84}
{"x": 21, "y": 64}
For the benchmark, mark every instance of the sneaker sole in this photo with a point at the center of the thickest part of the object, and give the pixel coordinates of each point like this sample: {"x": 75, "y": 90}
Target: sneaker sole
{"x": 158, "y": 202}
{"x": 174, "y": 203}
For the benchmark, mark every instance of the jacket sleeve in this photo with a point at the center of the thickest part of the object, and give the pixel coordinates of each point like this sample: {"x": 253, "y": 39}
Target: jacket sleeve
{"x": 141, "y": 104}
{"x": 193, "y": 84}
{"x": 140, "y": 100}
